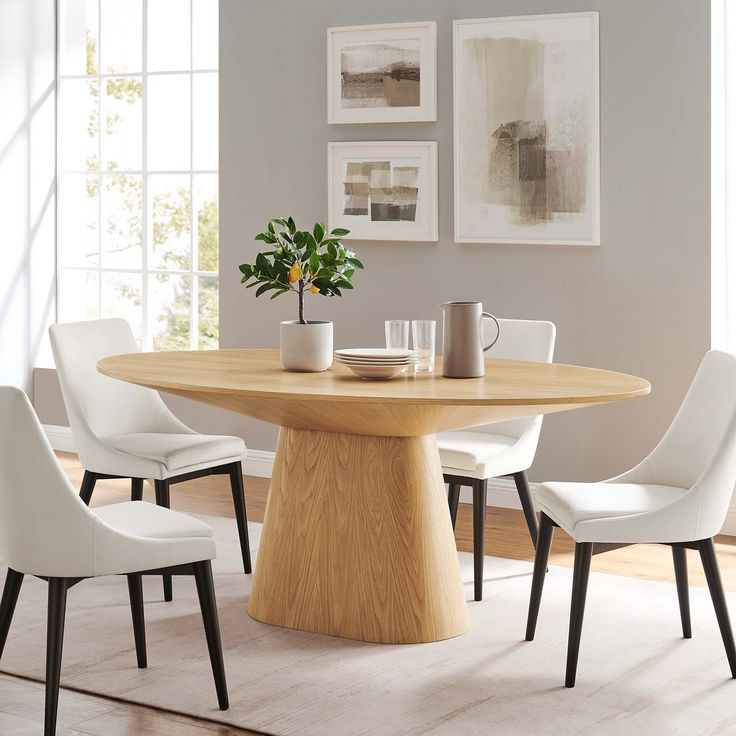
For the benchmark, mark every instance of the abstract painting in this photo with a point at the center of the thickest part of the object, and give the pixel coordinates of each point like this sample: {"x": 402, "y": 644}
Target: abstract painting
{"x": 382, "y": 73}
{"x": 384, "y": 191}
{"x": 527, "y": 130}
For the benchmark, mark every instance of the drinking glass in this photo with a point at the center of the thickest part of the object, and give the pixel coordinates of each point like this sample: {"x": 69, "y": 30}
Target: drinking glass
{"x": 423, "y": 333}
{"x": 397, "y": 334}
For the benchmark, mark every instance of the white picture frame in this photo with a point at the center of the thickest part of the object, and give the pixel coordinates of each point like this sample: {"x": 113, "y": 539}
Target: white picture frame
{"x": 560, "y": 103}
{"x": 366, "y": 99}
{"x": 383, "y": 190}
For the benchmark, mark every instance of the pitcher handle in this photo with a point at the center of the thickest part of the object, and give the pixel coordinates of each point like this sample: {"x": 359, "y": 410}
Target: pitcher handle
{"x": 498, "y": 329}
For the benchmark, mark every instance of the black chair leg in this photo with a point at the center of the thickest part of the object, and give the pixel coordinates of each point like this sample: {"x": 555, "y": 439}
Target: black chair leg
{"x": 713, "y": 576}
{"x": 679, "y": 557}
{"x": 163, "y": 498}
{"x": 136, "y": 489}
{"x": 13, "y": 581}
{"x": 208, "y": 604}
{"x": 544, "y": 543}
{"x": 135, "y": 591}
{"x": 525, "y": 496}
{"x": 453, "y": 498}
{"x": 479, "y": 527}
{"x": 241, "y": 517}
{"x": 583, "y": 556}
{"x": 88, "y": 485}
{"x": 54, "y": 647}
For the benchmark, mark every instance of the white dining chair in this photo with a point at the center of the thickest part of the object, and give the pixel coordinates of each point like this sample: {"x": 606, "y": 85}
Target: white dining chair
{"x": 47, "y": 531}
{"x": 125, "y": 431}
{"x": 678, "y": 496}
{"x": 472, "y": 457}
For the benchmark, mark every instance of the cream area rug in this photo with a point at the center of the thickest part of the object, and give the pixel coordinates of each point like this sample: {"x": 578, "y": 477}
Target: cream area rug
{"x": 636, "y": 675}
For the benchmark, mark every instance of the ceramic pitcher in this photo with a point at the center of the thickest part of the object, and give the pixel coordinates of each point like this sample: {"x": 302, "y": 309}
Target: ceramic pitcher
{"x": 462, "y": 339}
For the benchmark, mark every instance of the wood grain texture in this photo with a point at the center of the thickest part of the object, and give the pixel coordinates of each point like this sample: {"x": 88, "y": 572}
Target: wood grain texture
{"x": 357, "y": 541}
{"x": 252, "y": 382}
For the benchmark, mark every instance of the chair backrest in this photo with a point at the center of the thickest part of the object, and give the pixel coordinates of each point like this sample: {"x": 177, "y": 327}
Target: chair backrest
{"x": 521, "y": 339}
{"x": 45, "y": 527}
{"x": 698, "y": 450}
{"x": 99, "y": 406}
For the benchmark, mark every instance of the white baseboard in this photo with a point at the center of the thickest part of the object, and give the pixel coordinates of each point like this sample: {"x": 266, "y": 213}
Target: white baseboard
{"x": 60, "y": 438}
{"x": 258, "y": 462}
{"x": 501, "y": 491}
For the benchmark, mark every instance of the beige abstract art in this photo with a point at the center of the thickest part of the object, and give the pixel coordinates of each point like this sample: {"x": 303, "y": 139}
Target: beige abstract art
{"x": 526, "y": 129}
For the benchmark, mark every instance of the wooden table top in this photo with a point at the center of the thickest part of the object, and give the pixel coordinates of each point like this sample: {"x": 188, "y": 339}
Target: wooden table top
{"x": 258, "y": 373}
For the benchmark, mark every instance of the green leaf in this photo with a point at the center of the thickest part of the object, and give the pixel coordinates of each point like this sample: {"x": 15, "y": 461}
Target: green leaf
{"x": 291, "y": 224}
{"x": 355, "y": 262}
{"x": 263, "y": 288}
{"x": 340, "y": 232}
{"x": 319, "y": 232}
{"x": 246, "y": 268}
{"x": 262, "y": 264}
{"x": 314, "y": 261}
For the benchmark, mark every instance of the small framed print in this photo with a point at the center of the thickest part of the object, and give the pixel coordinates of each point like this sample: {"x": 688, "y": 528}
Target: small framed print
{"x": 383, "y": 190}
{"x": 382, "y": 73}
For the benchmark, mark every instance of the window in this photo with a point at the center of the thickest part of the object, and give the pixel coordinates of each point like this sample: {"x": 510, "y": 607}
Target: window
{"x": 137, "y": 159}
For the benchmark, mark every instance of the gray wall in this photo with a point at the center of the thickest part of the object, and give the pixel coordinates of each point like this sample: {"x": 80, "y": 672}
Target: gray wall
{"x": 27, "y": 275}
{"x": 639, "y": 303}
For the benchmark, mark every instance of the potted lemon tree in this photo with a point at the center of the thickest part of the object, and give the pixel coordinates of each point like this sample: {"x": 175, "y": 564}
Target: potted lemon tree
{"x": 305, "y": 263}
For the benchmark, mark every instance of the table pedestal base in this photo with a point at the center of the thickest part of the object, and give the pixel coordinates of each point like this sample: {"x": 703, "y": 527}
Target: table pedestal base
{"x": 357, "y": 540}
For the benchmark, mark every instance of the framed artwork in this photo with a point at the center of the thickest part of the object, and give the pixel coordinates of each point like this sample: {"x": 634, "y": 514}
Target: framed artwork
{"x": 526, "y": 109}
{"x": 382, "y": 73}
{"x": 383, "y": 191}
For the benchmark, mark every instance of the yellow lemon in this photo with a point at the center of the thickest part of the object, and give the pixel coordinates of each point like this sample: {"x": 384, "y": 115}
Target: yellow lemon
{"x": 314, "y": 289}
{"x": 295, "y": 273}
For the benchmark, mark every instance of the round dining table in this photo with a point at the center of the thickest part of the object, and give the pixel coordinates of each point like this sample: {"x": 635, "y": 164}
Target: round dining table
{"x": 357, "y": 540}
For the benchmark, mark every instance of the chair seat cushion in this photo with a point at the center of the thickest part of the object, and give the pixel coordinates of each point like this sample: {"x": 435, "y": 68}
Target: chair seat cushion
{"x": 178, "y": 451}
{"x": 142, "y": 519}
{"x": 570, "y": 504}
{"x": 479, "y": 453}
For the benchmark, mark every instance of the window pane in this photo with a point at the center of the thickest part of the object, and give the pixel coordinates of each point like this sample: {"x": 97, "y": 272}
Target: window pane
{"x": 207, "y": 221}
{"x": 205, "y": 32}
{"x": 205, "y": 119}
{"x": 78, "y": 42}
{"x": 122, "y": 296}
{"x": 168, "y": 122}
{"x": 78, "y": 125}
{"x": 208, "y": 304}
{"x": 169, "y": 302}
{"x": 78, "y": 296}
{"x": 122, "y": 209}
{"x": 78, "y": 218}
{"x": 168, "y": 35}
{"x": 122, "y": 141}
{"x": 170, "y": 223}
{"x": 121, "y": 45}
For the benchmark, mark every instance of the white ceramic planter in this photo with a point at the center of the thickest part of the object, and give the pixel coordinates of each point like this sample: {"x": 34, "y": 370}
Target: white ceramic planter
{"x": 306, "y": 348}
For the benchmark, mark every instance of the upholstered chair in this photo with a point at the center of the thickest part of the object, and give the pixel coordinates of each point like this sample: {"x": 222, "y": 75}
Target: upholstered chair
{"x": 125, "y": 431}
{"x": 678, "y": 496}
{"x": 46, "y": 530}
{"x": 471, "y": 457}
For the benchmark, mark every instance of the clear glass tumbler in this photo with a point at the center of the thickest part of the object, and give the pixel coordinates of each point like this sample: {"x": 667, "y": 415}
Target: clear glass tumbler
{"x": 397, "y": 334}
{"x": 423, "y": 334}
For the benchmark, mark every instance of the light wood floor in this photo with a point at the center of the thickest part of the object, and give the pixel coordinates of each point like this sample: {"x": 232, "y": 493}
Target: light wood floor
{"x": 21, "y": 702}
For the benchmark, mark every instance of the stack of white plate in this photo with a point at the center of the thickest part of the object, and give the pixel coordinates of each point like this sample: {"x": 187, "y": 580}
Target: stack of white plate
{"x": 376, "y": 363}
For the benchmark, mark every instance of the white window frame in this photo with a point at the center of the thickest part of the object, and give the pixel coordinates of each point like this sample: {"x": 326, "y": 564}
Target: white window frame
{"x": 193, "y": 272}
